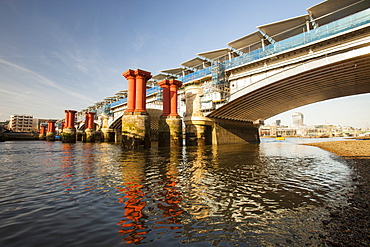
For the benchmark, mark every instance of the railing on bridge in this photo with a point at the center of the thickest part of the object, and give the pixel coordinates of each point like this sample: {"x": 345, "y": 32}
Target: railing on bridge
{"x": 197, "y": 75}
{"x": 322, "y": 32}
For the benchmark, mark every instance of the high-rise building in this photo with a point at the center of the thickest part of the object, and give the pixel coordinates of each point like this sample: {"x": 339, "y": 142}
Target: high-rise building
{"x": 297, "y": 119}
{"x": 22, "y": 123}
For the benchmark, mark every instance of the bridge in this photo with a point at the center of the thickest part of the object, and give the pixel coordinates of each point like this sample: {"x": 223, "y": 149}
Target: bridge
{"x": 226, "y": 94}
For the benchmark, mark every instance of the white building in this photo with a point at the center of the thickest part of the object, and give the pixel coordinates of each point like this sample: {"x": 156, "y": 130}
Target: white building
{"x": 23, "y": 123}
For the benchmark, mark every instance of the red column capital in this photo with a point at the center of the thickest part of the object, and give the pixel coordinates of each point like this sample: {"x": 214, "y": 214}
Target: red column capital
{"x": 145, "y": 74}
{"x": 129, "y": 73}
{"x": 175, "y": 83}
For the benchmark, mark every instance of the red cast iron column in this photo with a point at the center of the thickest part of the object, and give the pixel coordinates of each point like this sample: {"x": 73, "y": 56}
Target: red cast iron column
{"x": 42, "y": 130}
{"x": 70, "y": 119}
{"x": 131, "y": 90}
{"x": 67, "y": 119}
{"x": 90, "y": 120}
{"x": 174, "y": 85}
{"x": 166, "y": 97}
{"x": 51, "y": 126}
{"x": 141, "y": 78}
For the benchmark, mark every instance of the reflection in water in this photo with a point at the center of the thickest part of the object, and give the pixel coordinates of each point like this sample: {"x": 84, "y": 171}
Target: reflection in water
{"x": 92, "y": 194}
{"x": 132, "y": 223}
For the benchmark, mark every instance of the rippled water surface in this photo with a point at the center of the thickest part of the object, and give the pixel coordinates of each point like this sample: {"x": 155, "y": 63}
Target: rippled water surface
{"x": 268, "y": 194}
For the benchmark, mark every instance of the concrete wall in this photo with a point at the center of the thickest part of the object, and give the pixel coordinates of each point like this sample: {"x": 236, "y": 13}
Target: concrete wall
{"x": 230, "y": 131}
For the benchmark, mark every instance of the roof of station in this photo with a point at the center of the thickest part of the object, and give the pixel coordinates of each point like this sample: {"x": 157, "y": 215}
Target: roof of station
{"x": 215, "y": 54}
{"x": 159, "y": 77}
{"x": 286, "y": 28}
{"x": 249, "y": 42}
{"x": 196, "y": 62}
{"x": 331, "y": 10}
{"x": 177, "y": 71}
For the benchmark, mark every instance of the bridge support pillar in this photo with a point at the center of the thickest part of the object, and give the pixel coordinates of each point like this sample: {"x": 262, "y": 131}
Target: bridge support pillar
{"x": 230, "y": 131}
{"x": 79, "y": 136}
{"x": 107, "y": 133}
{"x": 136, "y": 131}
{"x": 69, "y": 131}
{"x": 136, "y": 122}
{"x": 50, "y": 134}
{"x": 89, "y": 127}
{"x": 42, "y": 134}
{"x": 170, "y": 123}
{"x": 198, "y": 128}
{"x": 170, "y": 131}
{"x": 201, "y": 130}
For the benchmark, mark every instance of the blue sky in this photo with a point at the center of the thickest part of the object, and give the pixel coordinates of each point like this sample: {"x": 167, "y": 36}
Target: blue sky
{"x": 68, "y": 54}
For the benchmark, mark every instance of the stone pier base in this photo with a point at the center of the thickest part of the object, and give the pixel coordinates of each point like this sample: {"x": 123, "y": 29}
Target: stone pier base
{"x": 136, "y": 131}
{"x": 50, "y": 136}
{"x": 208, "y": 131}
{"x": 170, "y": 131}
{"x": 68, "y": 135}
{"x": 108, "y": 135}
{"x": 79, "y": 136}
{"x": 118, "y": 135}
{"x": 89, "y": 135}
{"x": 198, "y": 131}
{"x": 232, "y": 131}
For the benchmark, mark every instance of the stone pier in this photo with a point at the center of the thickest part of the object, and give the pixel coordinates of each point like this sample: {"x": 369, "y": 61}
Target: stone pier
{"x": 170, "y": 123}
{"x": 201, "y": 130}
{"x": 42, "y": 134}
{"x": 50, "y": 134}
{"x": 89, "y": 127}
{"x": 198, "y": 128}
{"x": 69, "y": 131}
{"x": 108, "y": 134}
{"x": 136, "y": 120}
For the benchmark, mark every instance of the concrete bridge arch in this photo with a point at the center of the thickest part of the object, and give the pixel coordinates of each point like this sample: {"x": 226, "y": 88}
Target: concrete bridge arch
{"x": 323, "y": 78}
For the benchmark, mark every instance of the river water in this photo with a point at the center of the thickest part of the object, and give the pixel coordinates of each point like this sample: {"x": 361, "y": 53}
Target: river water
{"x": 95, "y": 194}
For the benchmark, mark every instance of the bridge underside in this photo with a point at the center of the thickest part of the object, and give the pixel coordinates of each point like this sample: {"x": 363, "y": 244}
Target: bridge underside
{"x": 345, "y": 78}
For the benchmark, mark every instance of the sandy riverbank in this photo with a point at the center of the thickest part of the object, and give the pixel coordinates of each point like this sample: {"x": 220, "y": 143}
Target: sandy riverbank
{"x": 352, "y": 149}
{"x": 349, "y": 225}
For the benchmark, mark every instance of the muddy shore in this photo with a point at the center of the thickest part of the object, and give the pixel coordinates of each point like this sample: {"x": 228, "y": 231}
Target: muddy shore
{"x": 349, "y": 225}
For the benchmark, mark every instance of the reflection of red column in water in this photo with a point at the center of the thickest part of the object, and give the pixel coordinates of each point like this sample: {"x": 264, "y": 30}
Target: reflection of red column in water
{"x": 131, "y": 89}
{"x": 89, "y": 122}
{"x": 171, "y": 208}
{"x": 141, "y": 78}
{"x": 51, "y": 126}
{"x": 166, "y": 96}
{"x": 174, "y": 85}
{"x": 133, "y": 215}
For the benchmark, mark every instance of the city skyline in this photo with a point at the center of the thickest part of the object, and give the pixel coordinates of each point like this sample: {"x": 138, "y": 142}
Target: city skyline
{"x": 57, "y": 55}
